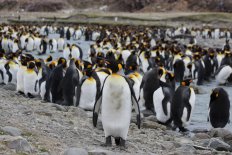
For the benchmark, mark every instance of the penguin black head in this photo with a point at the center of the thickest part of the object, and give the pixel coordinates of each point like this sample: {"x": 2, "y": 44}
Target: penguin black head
{"x": 114, "y": 66}
{"x": 78, "y": 64}
{"x": 52, "y": 65}
{"x": 215, "y": 93}
{"x": 88, "y": 68}
{"x": 88, "y": 72}
{"x": 186, "y": 82}
{"x": 100, "y": 62}
{"x": 169, "y": 76}
{"x": 87, "y": 65}
{"x": 30, "y": 65}
{"x": 62, "y": 61}
{"x": 38, "y": 63}
{"x": 161, "y": 71}
{"x": 1, "y": 55}
{"x": 49, "y": 58}
{"x": 110, "y": 55}
{"x": 100, "y": 54}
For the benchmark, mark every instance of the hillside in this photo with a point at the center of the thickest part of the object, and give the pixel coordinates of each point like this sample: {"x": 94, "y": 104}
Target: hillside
{"x": 117, "y": 5}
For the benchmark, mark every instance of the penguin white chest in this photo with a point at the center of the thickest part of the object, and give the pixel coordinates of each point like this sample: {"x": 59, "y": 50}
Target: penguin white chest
{"x": 30, "y": 85}
{"x": 158, "y": 97}
{"x": 88, "y": 94}
{"x": 192, "y": 99}
{"x": 116, "y": 107}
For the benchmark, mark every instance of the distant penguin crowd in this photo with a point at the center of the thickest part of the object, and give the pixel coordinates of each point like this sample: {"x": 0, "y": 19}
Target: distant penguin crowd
{"x": 126, "y": 69}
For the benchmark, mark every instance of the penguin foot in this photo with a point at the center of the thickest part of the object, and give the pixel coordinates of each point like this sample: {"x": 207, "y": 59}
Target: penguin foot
{"x": 20, "y": 93}
{"x": 30, "y": 96}
{"x": 122, "y": 143}
{"x": 2, "y": 84}
{"x": 108, "y": 142}
{"x": 117, "y": 141}
{"x": 182, "y": 129}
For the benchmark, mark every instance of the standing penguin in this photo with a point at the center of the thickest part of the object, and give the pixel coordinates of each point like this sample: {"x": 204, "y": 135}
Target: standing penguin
{"x": 182, "y": 105}
{"x": 219, "y": 108}
{"x": 20, "y": 75}
{"x": 222, "y": 74}
{"x": 116, "y": 97}
{"x": 43, "y": 47}
{"x": 29, "y": 44}
{"x": 60, "y": 44}
{"x": 52, "y": 45}
{"x": 68, "y": 34}
{"x": 30, "y": 81}
{"x": 89, "y": 89}
{"x": 55, "y": 79}
{"x": 69, "y": 84}
{"x": 67, "y": 52}
{"x": 76, "y": 52}
{"x": 162, "y": 99}
{"x": 15, "y": 46}
{"x": 150, "y": 83}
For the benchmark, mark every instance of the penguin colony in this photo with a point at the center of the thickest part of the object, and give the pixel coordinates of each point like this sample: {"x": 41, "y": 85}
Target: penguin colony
{"x": 127, "y": 69}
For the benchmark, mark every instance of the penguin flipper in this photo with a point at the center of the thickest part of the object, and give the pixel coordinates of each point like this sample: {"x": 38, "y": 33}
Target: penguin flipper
{"x": 165, "y": 100}
{"x": 134, "y": 102}
{"x": 2, "y": 75}
{"x": 78, "y": 90}
{"x": 81, "y": 52}
{"x": 189, "y": 108}
{"x": 96, "y": 110}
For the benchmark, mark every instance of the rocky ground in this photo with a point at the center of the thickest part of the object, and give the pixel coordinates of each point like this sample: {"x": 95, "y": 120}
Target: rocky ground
{"x": 29, "y": 126}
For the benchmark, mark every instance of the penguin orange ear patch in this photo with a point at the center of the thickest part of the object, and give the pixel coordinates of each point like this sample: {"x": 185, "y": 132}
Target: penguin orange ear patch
{"x": 119, "y": 66}
{"x": 89, "y": 66}
{"x": 183, "y": 83}
{"x": 217, "y": 94}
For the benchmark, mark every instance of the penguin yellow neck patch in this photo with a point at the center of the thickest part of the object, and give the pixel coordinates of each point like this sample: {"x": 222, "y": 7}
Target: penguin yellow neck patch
{"x": 30, "y": 70}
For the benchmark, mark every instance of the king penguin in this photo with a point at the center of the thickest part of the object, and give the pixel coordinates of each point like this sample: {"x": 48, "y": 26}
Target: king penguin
{"x": 182, "y": 105}
{"x": 219, "y": 108}
{"x": 162, "y": 99}
{"x": 55, "y": 79}
{"x": 30, "y": 81}
{"x": 115, "y": 100}
{"x": 69, "y": 84}
{"x": 89, "y": 88}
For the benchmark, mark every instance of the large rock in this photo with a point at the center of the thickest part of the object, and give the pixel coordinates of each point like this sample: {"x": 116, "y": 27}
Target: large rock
{"x": 218, "y": 145}
{"x": 19, "y": 144}
{"x": 153, "y": 125}
{"x": 75, "y": 151}
{"x": 201, "y": 136}
{"x": 10, "y": 86}
{"x": 219, "y": 132}
{"x": 184, "y": 150}
{"x": 11, "y": 131}
{"x": 101, "y": 152}
{"x": 226, "y": 135}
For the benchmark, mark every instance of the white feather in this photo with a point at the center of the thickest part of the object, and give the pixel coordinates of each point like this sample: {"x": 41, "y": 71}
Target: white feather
{"x": 158, "y": 97}
{"x": 88, "y": 94}
{"x": 223, "y": 75}
{"x": 30, "y": 79}
{"x": 116, "y": 107}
